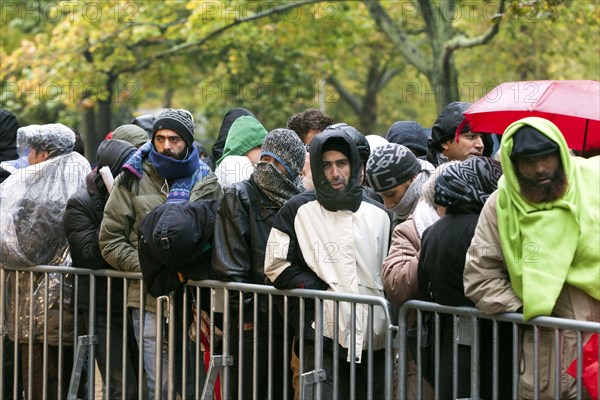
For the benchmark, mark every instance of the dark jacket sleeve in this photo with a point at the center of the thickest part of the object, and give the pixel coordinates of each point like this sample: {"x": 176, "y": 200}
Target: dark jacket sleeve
{"x": 82, "y": 227}
{"x": 284, "y": 262}
{"x": 232, "y": 252}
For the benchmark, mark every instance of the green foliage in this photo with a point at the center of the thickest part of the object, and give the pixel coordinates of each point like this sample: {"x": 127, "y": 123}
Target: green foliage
{"x": 58, "y": 58}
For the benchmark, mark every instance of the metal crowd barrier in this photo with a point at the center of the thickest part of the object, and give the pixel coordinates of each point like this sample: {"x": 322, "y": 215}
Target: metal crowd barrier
{"x": 466, "y": 325}
{"x": 185, "y": 380}
{"x": 201, "y": 324}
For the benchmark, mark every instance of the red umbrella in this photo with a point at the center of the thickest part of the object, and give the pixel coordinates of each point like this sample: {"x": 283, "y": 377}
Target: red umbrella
{"x": 574, "y": 106}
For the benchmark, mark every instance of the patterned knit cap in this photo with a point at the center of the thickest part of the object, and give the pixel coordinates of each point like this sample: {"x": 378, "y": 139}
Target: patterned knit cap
{"x": 468, "y": 182}
{"x": 178, "y": 120}
{"x": 285, "y": 146}
{"x": 390, "y": 166}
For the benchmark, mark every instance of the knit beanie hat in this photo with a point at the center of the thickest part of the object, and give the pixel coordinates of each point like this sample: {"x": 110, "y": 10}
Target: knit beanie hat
{"x": 131, "y": 133}
{"x": 286, "y": 147}
{"x": 178, "y": 120}
{"x": 390, "y": 166}
{"x": 245, "y": 134}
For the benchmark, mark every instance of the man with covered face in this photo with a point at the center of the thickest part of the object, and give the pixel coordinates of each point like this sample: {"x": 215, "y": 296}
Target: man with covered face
{"x": 165, "y": 169}
{"x": 535, "y": 248}
{"x": 335, "y": 239}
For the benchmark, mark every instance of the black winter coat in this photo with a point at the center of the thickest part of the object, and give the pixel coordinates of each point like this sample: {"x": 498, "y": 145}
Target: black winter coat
{"x": 242, "y": 229}
{"x": 440, "y": 274}
{"x": 81, "y": 223}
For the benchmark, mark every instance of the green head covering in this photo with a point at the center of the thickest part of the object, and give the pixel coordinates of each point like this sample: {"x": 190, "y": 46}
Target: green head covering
{"x": 245, "y": 134}
{"x": 546, "y": 245}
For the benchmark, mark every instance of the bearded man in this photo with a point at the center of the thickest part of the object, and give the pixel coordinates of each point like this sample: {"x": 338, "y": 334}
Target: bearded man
{"x": 535, "y": 248}
{"x": 165, "y": 169}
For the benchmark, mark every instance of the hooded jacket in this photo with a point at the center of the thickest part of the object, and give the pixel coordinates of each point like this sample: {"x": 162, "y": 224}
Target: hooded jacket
{"x": 330, "y": 240}
{"x": 175, "y": 244}
{"x": 82, "y": 219}
{"x": 228, "y": 120}
{"x": 245, "y": 134}
{"x": 408, "y": 133}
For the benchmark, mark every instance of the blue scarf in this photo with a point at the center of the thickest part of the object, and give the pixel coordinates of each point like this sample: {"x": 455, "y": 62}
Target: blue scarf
{"x": 183, "y": 173}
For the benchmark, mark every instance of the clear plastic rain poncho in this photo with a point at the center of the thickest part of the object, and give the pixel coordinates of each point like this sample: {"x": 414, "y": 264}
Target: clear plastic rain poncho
{"x": 32, "y": 204}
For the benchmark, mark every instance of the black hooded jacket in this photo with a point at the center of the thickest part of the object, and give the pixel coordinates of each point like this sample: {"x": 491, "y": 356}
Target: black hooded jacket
{"x": 174, "y": 245}
{"x": 444, "y": 129}
{"x": 82, "y": 219}
{"x": 333, "y": 200}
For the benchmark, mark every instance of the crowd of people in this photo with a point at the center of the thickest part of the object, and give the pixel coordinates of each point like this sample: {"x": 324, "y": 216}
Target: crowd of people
{"x": 435, "y": 215}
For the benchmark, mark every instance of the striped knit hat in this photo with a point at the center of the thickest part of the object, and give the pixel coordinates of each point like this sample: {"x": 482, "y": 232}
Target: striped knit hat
{"x": 177, "y": 120}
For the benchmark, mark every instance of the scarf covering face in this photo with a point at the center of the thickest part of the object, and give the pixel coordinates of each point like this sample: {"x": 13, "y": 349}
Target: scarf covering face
{"x": 276, "y": 185}
{"x": 468, "y": 182}
{"x": 183, "y": 173}
{"x": 548, "y": 244}
{"x": 334, "y": 200}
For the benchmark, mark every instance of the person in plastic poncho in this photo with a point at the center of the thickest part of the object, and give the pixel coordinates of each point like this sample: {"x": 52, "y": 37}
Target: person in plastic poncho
{"x": 535, "y": 248}
{"x": 32, "y": 203}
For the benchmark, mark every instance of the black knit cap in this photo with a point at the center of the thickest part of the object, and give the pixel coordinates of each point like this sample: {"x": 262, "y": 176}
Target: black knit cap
{"x": 338, "y": 144}
{"x": 177, "y": 120}
{"x": 529, "y": 142}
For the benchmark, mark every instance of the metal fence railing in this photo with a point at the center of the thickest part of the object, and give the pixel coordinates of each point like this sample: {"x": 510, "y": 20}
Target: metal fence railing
{"x": 217, "y": 340}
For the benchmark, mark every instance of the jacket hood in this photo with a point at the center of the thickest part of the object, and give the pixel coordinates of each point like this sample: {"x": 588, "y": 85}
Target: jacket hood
{"x": 408, "y": 133}
{"x": 334, "y": 200}
{"x": 245, "y": 134}
{"x": 145, "y": 122}
{"x": 444, "y": 127}
{"x": 8, "y": 136}
{"x": 228, "y": 120}
{"x": 113, "y": 153}
{"x": 175, "y": 238}
{"x": 131, "y": 133}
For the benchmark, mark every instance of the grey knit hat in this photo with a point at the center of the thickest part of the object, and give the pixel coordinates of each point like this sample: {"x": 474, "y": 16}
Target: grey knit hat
{"x": 132, "y": 134}
{"x": 286, "y": 147}
{"x": 179, "y": 121}
{"x": 390, "y": 166}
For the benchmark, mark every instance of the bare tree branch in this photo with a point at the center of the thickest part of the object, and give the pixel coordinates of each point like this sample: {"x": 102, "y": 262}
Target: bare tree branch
{"x": 464, "y": 42}
{"x": 397, "y": 35}
{"x": 190, "y": 46}
{"x": 348, "y": 97}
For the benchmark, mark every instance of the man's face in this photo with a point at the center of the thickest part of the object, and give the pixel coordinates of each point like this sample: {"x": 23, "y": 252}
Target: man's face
{"x": 541, "y": 178}
{"x": 170, "y": 144}
{"x": 392, "y": 197}
{"x": 336, "y": 168}
{"x": 470, "y": 144}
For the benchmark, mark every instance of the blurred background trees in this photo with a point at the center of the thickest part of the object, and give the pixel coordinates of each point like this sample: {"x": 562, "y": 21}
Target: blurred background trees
{"x": 94, "y": 65}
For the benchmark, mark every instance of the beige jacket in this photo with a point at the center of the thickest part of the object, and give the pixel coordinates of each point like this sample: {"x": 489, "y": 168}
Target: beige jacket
{"x": 399, "y": 271}
{"x": 487, "y": 284}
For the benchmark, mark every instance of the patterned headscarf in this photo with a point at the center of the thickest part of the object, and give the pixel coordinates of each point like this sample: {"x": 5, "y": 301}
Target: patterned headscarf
{"x": 468, "y": 182}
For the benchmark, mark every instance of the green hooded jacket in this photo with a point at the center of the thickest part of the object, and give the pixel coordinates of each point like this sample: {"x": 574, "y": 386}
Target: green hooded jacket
{"x": 245, "y": 134}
